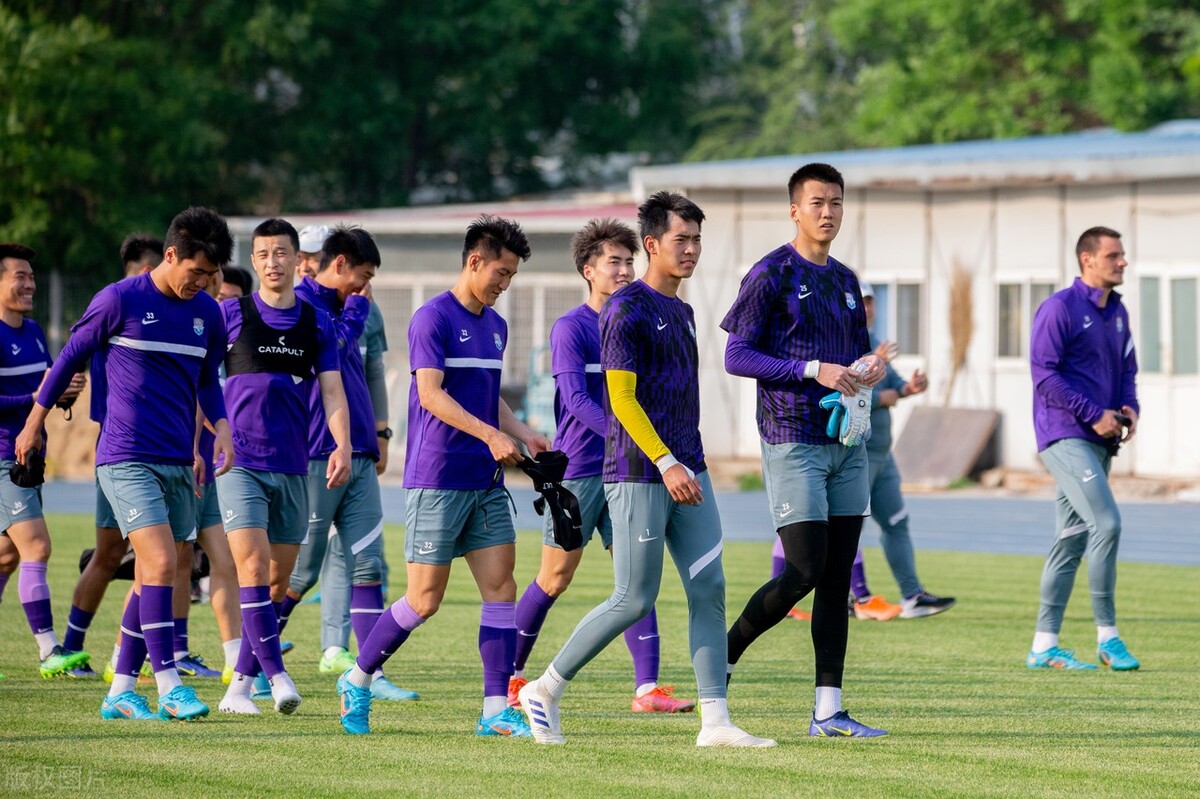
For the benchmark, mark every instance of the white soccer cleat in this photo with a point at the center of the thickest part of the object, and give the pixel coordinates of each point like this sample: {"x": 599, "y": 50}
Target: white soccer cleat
{"x": 239, "y": 704}
{"x": 542, "y": 711}
{"x": 729, "y": 735}
{"x": 283, "y": 691}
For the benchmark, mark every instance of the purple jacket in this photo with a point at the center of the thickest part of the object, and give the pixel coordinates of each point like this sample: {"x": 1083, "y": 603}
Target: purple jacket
{"x": 1082, "y": 361}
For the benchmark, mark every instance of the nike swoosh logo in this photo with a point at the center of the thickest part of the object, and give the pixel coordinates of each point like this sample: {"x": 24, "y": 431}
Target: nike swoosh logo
{"x": 527, "y": 635}
{"x": 426, "y": 551}
{"x": 165, "y": 662}
{"x": 841, "y": 731}
{"x": 268, "y": 638}
{"x": 150, "y": 321}
{"x": 647, "y": 637}
{"x": 464, "y": 338}
{"x": 783, "y": 514}
{"x": 1086, "y": 325}
{"x": 802, "y": 296}
{"x": 1089, "y": 478}
{"x": 662, "y": 326}
{"x": 642, "y": 540}
{"x": 134, "y": 515}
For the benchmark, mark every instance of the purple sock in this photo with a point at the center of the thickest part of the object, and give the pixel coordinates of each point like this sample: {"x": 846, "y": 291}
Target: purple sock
{"x": 78, "y": 622}
{"x": 777, "y": 558}
{"x": 158, "y": 625}
{"x": 858, "y": 579}
{"x": 3, "y": 582}
{"x": 260, "y": 627}
{"x": 366, "y": 606}
{"x": 531, "y": 615}
{"x": 389, "y": 633}
{"x": 285, "y": 610}
{"x": 133, "y": 643}
{"x": 34, "y": 594}
{"x": 497, "y": 645}
{"x": 642, "y": 640}
{"x": 181, "y": 635}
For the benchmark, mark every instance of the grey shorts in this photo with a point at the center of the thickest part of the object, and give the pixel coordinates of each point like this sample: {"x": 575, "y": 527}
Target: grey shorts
{"x": 811, "y": 482}
{"x": 17, "y": 504}
{"x": 593, "y": 508}
{"x": 355, "y": 507}
{"x": 104, "y": 512}
{"x": 147, "y": 494}
{"x": 268, "y": 501}
{"x": 444, "y": 524}
{"x": 208, "y": 508}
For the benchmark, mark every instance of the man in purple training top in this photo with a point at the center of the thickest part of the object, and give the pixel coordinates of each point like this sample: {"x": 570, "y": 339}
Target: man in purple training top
{"x": 279, "y": 345}
{"x": 458, "y": 441}
{"x": 24, "y": 359}
{"x": 165, "y": 340}
{"x": 603, "y": 252}
{"x": 799, "y": 328}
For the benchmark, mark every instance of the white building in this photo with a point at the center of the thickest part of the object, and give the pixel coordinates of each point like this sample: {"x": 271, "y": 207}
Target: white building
{"x": 1006, "y": 212}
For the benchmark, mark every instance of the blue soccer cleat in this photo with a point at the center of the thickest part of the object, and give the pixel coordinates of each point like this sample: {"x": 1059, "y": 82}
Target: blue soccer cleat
{"x": 840, "y": 725}
{"x": 355, "y": 705}
{"x": 127, "y": 705}
{"x": 261, "y": 688}
{"x": 385, "y": 690}
{"x": 1056, "y": 658}
{"x": 1113, "y": 654}
{"x": 509, "y": 723}
{"x": 193, "y": 666}
{"x": 285, "y": 647}
{"x": 181, "y": 704}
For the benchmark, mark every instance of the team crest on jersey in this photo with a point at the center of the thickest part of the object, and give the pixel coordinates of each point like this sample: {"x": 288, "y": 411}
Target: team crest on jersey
{"x": 850, "y": 303}
{"x": 499, "y": 343}
{"x": 198, "y": 326}
{"x": 1120, "y": 325}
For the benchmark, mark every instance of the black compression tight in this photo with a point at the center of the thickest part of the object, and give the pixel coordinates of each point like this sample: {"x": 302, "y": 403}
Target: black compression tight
{"x": 819, "y": 556}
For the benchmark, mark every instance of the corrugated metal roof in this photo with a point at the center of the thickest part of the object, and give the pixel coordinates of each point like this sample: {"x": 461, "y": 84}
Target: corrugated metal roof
{"x": 1096, "y": 156}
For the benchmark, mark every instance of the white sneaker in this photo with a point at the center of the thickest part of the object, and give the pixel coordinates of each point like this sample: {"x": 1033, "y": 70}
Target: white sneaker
{"x": 239, "y": 704}
{"x": 283, "y": 691}
{"x": 542, "y": 711}
{"x": 729, "y": 735}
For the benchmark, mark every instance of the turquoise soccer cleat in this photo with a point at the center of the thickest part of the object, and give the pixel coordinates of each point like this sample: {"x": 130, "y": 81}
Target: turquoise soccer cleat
{"x": 1113, "y": 654}
{"x": 355, "y": 705}
{"x": 1056, "y": 658}
{"x": 181, "y": 704}
{"x": 385, "y": 690}
{"x": 127, "y": 705}
{"x": 509, "y": 723}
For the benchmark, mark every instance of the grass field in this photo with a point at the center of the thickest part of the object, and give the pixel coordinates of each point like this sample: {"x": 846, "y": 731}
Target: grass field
{"x": 966, "y": 717}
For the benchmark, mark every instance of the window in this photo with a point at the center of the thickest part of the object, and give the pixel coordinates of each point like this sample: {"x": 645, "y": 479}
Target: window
{"x": 883, "y": 317}
{"x": 1149, "y": 351}
{"x": 1184, "y": 359}
{"x": 908, "y": 318}
{"x": 1016, "y": 304}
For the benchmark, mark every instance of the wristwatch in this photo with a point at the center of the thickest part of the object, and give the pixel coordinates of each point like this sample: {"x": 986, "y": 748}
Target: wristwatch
{"x": 385, "y": 433}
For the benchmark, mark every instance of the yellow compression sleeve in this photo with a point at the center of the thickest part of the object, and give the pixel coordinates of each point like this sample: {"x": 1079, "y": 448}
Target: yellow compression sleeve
{"x": 622, "y": 395}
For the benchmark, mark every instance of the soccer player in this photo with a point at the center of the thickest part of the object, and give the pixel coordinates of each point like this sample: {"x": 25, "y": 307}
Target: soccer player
{"x": 655, "y": 480}
{"x": 1085, "y": 406}
{"x": 342, "y": 290}
{"x": 140, "y": 252}
{"x": 458, "y": 442}
{"x": 236, "y": 282}
{"x": 328, "y": 557}
{"x": 165, "y": 339}
{"x": 603, "y": 252}
{"x": 799, "y": 328}
{"x": 24, "y": 359}
{"x": 279, "y": 345}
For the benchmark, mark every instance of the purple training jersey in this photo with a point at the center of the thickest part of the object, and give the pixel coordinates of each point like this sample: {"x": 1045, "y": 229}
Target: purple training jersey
{"x": 24, "y": 359}
{"x": 162, "y": 356}
{"x": 792, "y": 309}
{"x": 1082, "y": 362}
{"x": 653, "y": 336}
{"x": 348, "y": 322}
{"x": 468, "y": 349}
{"x": 268, "y": 407}
{"x": 579, "y": 394}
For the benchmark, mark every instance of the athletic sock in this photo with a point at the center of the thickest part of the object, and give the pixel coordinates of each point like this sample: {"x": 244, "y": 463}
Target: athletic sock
{"x": 260, "y": 632}
{"x": 3, "y": 582}
{"x": 1105, "y": 633}
{"x": 158, "y": 626}
{"x": 116, "y": 653}
{"x": 240, "y": 685}
{"x": 34, "y": 594}
{"x": 129, "y": 656}
{"x": 390, "y": 631}
{"x": 553, "y": 683}
{"x": 643, "y": 642}
{"x": 1043, "y": 641}
{"x": 858, "y": 579}
{"x": 644, "y": 688}
{"x": 714, "y": 713}
{"x": 497, "y": 649}
{"x": 829, "y": 701}
{"x": 285, "y": 609}
{"x": 232, "y": 647}
{"x": 531, "y": 613}
{"x": 180, "y": 639}
{"x": 366, "y": 606}
{"x": 78, "y": 622}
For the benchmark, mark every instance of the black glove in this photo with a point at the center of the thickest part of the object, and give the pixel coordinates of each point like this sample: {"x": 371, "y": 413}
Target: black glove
{"x": 30, "y": 474}
{"x": 547, "y": 471}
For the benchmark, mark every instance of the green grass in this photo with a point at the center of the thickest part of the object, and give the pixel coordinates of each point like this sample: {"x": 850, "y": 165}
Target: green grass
{"x": 967, "y": 719}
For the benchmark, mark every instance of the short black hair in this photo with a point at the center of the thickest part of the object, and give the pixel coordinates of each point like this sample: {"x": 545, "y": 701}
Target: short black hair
{"x": 14, "y": 250}
{"x": 490, "y": 234}
{"x": 589, "y": 242}
{"x": 239, "y": 276}
{"x": 815, "y": 171}
{"x": 1089, "y": 241}
{"x": 141, "y": 248}
{"x": 276, "y": 227}
{"x": 354, "y": 243}
{"x": 654, "y": 215}
{"x": 200, "y": 230}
